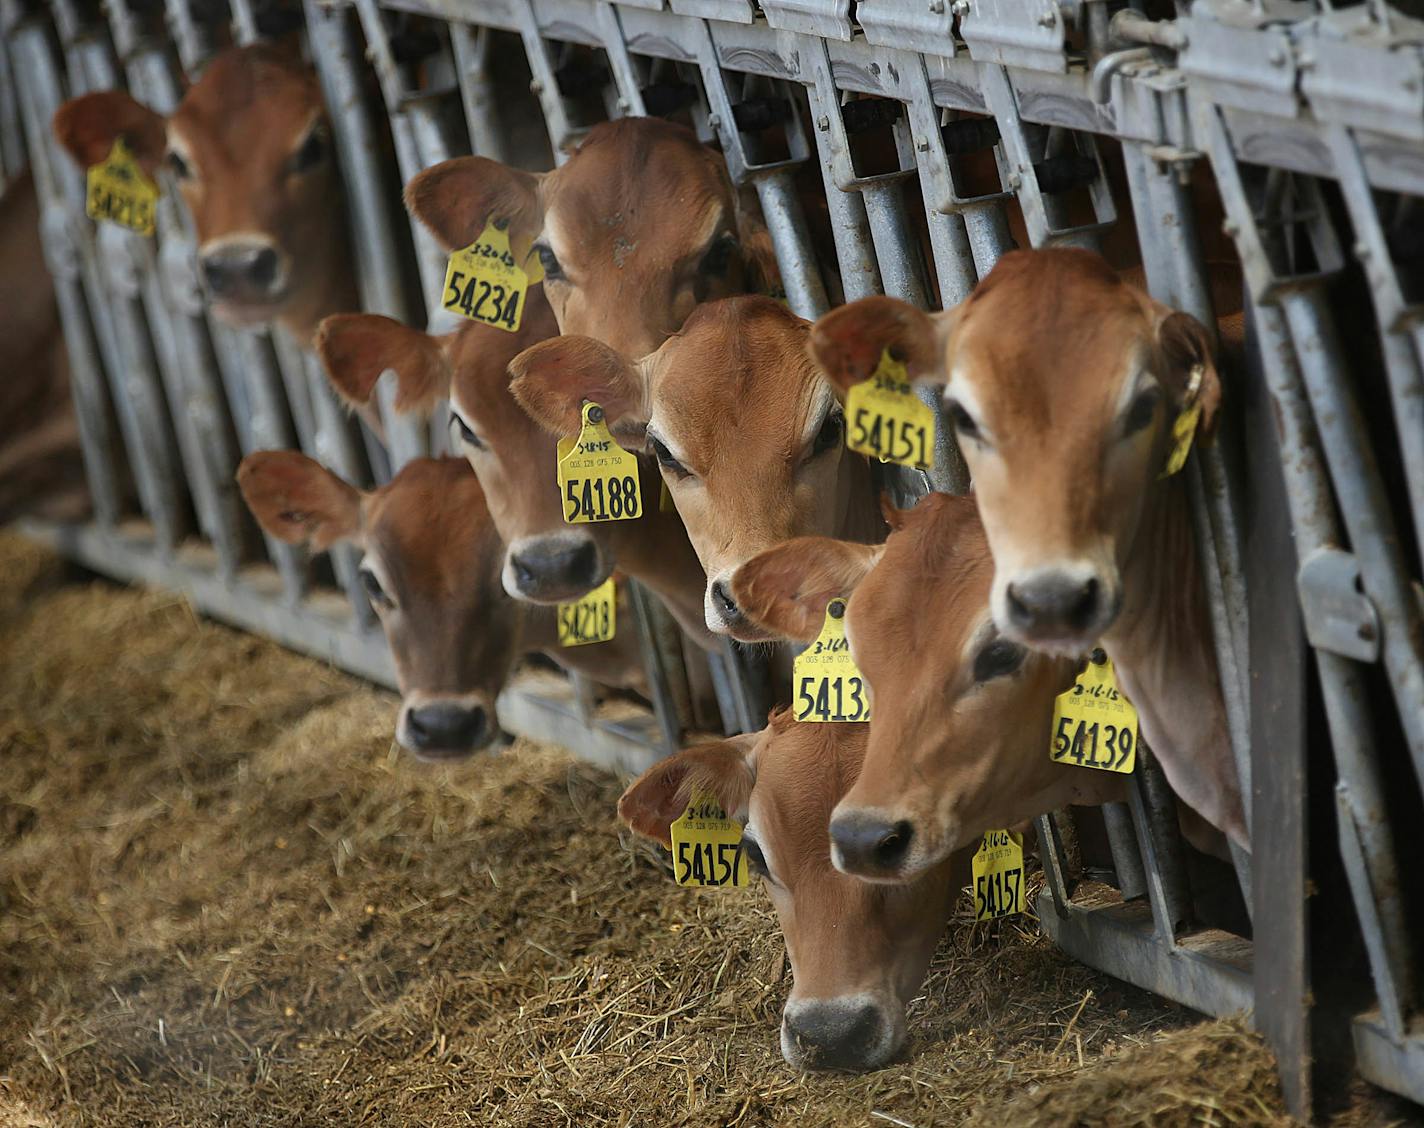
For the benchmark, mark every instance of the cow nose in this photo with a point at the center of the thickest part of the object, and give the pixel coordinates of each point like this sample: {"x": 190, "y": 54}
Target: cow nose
{"x": 869, "y": 844}
{"x": 557, "y": 568}
{"x": 1055, "y": 602}
{"x": 836, "y": 1034}
{"x": 444, "y": 730}
{"x": 723, "y": 601}
{"x": 240, "y": 268}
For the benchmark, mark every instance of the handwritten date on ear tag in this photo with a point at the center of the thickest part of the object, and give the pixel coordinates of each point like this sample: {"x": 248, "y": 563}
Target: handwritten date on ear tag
{"x": 828, "y": 685}
{"x": 1184, "y": 427}
{"x": 1094, "y": 724}
{"x": 598, "y": 479}
{"x": 117, "y": 190}
{"x": 594, "y": 618}
{"x": 887, "y": 420}
{"x": 707, "y": 846}
{"x": 487, "y": 280}
{"x": 998, "y": 875}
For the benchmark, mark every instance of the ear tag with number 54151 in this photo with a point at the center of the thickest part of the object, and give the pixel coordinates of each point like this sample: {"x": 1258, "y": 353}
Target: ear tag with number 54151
{"x": 487, "y": 280}
{"x": 828, "y": 685}
{"x": 593, "y": 618}
{"x": 707, "y": 846}
{"x": 998, "y": 875}
{"x": 598, "y": 479}
{"x": 1094, "y": 724}
{"x": 116, "y": 189}
{"x": 887, "y": 420}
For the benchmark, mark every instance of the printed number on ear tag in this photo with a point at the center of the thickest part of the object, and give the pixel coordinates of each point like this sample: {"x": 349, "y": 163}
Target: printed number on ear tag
{"x": 594, "y": 618}
{"x": 1184, "y": 427}
{"x": 998, "y": 876}
{"x": 828, "y": 685}
{"x": 1094, "y": 724}
{"x": 598, "y": 479}
{"x": 707, "y": 846}
{"x": 887, "y": 420}
{"x": 117, "y": 190}
{"x": 487, "y": 280}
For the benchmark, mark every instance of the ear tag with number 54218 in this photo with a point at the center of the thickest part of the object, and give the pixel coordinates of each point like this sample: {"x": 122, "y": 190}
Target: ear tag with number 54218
{"x": 998, "y": 875}
{"x": 594, "y": 618}
{"x": 598, "y": 479}
{"x": 886, "y": 419}
{"x": 116, "y": 189}
{"x": 1094, "y": 724}
{"x": 487, "y": 280}
{"x": 707, "y": 846}
{"x": 828, "y": 685}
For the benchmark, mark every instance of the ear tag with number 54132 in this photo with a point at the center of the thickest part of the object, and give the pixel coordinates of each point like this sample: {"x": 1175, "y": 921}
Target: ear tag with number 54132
{"x": 593, "y": 618}
{"x": 998, "y": 875}
{"x": 598, "y": 479}
{"x": 886, "y": 420}
{"x": 487, "y": 280}
{"x": 828, "y": 685}
{"x": 116, "y": 189}
{"x": 1094, "y": 724}
{"x": 707, "y": 846}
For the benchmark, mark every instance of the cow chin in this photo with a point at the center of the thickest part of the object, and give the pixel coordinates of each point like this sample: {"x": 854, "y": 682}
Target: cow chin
{"x": 854, "y": 1033}
{"x": 240, "y": 314}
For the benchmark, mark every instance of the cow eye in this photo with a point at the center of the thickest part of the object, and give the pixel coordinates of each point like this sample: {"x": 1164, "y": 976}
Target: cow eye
{"x": 178, "y": 166}
{"x": 1142, "y": 411}
{"x": 830, "y": 435}
{"x": 719, "y": 255}
{"x": 310, "y": 153}
{"x": 963, "y": 422}
{"x": 374, "y": 591}
{"x": 549, "y": 261}
{"x": 1000, "y": 657}
{"x": 665, "y": 457}
{"x": 463, "y": 430}
{"x": 756, "y": 860}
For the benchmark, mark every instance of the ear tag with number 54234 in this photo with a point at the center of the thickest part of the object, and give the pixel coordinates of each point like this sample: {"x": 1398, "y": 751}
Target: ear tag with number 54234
{"x": 594, "y": 618}
{"x": 828, "y": 685}
{"x": 998, "y": 875}
{"x": 598, "y": 479}
{"x": 487, "y": 280}
{"x": 1094, "y": 724}
{"x": 116, "y": 189}
{"x": 707, "y": 846}
{"x": 887, "y": 420}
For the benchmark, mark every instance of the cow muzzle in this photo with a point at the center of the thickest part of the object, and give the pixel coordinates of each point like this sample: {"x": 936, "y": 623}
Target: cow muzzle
{"x": 246, "y": 278}
{"x": 1062, "y": 609}
{"x": 874, "y": 846}
{"x": 853, "y": 1032}
{"x": 441, "y": 730}
{"x": 723, "y": 615}
{"x": 555, "y": 568}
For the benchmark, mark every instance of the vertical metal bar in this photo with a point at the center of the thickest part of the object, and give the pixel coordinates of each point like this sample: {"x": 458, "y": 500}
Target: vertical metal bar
{"x": 471, "y": 47}
{"x": 1126, "y": 856}
{"x": 1154, "y": 814}
{"x": 664, "y": 708}
{"x": 791, "y": 239}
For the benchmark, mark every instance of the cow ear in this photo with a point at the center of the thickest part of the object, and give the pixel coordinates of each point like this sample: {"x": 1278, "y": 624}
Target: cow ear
{"x": 87, "y": 127}
{"x": 456, "y": 198}
{"x": 848, "y": 342}
{"x": 785, "y": 590}
{"x": 299, "y": 500}
{"x": 724, "y": 769}
{"x": 356, "y": 348}
{"x": 551, "y": 381}
{"x": 1185, "y": 345}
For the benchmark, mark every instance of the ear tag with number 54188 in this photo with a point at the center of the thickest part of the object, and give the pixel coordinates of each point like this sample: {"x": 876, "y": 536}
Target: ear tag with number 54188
{"x": 598, "y": 479}
{"x": 1094, "y": 724}
{"x": 998, "y": 875}
{"x": 886, "y": 419}
{"x": 594, "y": 618}
{"x": 828, "y": 685}
{"x": 487, "y": 280}
{"x": 116, "y": 189}
{"x": 707, "y": 846}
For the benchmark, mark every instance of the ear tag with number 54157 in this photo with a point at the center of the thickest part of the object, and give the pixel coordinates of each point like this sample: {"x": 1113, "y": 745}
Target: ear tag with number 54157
{"x": 598, "y": 479}
{"x": 117, "y": 189}
{"x": 707, "y": 846}
{"x": 593, "y": 618}
{"x": 998, "y": 875}
{"x": 887, "y": 420}
{"x": 828, "y": 685}
{"x": 1094, "y": 724}
{"x": 487, "y": 280}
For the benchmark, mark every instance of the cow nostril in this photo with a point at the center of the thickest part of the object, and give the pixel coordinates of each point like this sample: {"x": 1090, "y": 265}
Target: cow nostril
{"x": 446, "y": 728}
{"x": 873, "y": 844}
{"x": 584, "y": 560}
{"x": 1018, "y": 611}
{"x": 1085, "y": 607}
{"x": 891, "y": 848}
{"x": 217, "y": 275}
{"x": 722, "y": 597}
{"x": 263, "y": 271}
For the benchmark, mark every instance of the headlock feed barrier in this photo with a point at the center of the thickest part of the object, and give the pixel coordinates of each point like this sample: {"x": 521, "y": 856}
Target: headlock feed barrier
{"x": 1307, "y": 117}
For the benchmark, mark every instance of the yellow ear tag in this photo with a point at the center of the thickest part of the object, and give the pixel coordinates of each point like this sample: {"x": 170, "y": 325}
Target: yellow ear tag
{"x": 487, "y": 280}
{"x": 887, "y": 420}
{"x": 117, "y": 190}
{"x": 1184, "y": 427}
{"x": 1094, "y": 724}
{"x": 707, "y": 846}
{"x": 593, "y": 618}
{"x": 598, "y": 479}
{"x": 998, "y": 876}
{"x": 828, "y": 685}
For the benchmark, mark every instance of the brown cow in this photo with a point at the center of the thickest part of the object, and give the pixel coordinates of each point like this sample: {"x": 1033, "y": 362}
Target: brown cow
{"x": 746, "y": 429}
{"x": 431, "y": 569}
{"x": 250, "y": 149}
{"x": 1063, "y": 383}
{"x": 859, "y": 952}
{"x": 960, "y": 714}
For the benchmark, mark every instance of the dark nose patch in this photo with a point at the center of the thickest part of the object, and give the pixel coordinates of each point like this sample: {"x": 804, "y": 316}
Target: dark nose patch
{"x": 725, "y": 604}
{"x": 1055, "y": 603}
{"x": 446, "y": 730}
{"x": 871, "y": 845}
{"x": 833, "y": 1035}
{"x": 240, "y": 270}
{"x": 540, "y": 568}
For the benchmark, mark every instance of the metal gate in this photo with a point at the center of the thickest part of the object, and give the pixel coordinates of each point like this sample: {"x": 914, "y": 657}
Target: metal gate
{"x": 1310, "y": 121}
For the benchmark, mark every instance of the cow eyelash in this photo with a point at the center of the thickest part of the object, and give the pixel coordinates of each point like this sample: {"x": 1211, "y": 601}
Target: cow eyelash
{"x": 374, "y": 591}
{"x": 466, "y": 435}
{"x": 178, "y": 166}
{"x": 549, "y": 262}
{"x": 1000, "y": 658}
{"x": 665, "y": 457}
{"x": 1142, "y": 411}
{"x": 830, "y": 435}
{"x": 962, "y": 421}
{"x": 756, "y": 860}
{"x": 310, "y": 153}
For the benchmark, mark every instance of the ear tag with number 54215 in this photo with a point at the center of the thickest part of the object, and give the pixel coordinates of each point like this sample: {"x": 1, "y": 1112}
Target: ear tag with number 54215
{"x": 487, "y": 280}
{"x": 707, "y": 846}
{"x": 1094, "y": 724}
{"x": 828, "y": 685}
{"x": 887, "y": 420}
{"x": 598, "y": 479}
{"x": 998, "y": 875}
{"x": 116, "y": 189}
{"x": 593, "y": 618}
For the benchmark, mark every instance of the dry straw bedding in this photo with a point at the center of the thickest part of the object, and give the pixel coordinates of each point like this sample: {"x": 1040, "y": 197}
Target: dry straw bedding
{"x": 226, "y": 900}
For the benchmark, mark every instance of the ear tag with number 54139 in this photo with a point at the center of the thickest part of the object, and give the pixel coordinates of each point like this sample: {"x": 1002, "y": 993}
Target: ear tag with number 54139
{"x": 1094, "y": 724}
{"x": 998, "y": 875}
{"x": 116, "y": 189}
{"x": 598, "y": 479}
{"x": 887, "y": 420}
{"x": 487, "y": 280}
{"x": 594, "y": 618}
{"x": 828, "y": 685}
{"x": 707, "y": 846}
